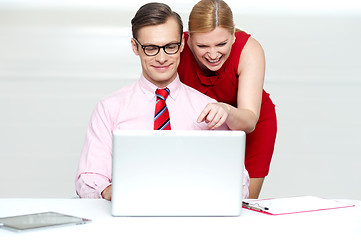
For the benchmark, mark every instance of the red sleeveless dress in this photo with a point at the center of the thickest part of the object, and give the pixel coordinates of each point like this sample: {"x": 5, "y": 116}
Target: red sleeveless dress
{"x": 223, "y": 87}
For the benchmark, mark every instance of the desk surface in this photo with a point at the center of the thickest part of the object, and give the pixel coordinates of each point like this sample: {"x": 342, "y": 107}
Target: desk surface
{"x": 344, "y": 223}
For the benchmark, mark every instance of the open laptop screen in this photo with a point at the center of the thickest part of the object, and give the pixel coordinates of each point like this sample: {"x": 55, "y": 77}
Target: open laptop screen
{"x": 177, "y": 173}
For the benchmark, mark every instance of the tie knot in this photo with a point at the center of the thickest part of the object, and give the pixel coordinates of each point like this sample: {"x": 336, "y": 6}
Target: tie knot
{"x": 162, "y": 93}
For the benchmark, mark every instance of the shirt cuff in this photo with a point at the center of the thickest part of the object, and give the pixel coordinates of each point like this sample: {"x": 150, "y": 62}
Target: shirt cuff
{"x": 91, "y": 185}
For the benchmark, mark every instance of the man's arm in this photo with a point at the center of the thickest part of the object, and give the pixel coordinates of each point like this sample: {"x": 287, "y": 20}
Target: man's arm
{"x": 95, "y": 165}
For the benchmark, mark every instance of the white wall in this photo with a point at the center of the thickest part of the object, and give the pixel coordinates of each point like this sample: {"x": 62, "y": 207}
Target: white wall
{"x": 57, "y": 61}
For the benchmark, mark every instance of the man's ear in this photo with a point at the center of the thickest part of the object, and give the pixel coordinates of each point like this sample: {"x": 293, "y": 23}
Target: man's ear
{"x": 182, "y": 43}
{"x": 134, "y": 47}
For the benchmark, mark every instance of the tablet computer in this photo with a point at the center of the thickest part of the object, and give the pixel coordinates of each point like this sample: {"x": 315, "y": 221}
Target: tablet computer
{"x": 39, "y": 220}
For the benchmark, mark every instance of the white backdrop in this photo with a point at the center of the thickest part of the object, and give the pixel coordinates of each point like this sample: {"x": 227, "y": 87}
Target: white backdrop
{"x": 58, "y": 58}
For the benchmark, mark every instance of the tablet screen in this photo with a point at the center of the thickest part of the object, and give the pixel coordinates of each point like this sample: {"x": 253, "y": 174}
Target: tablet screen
{"x": 40, "y": 220}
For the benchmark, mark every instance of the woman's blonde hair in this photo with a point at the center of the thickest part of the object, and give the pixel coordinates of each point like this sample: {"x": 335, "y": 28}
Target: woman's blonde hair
{"x": 206, "y": 15}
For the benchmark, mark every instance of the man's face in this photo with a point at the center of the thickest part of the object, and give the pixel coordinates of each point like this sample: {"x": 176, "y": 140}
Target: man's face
{"x": 160, "y": 69}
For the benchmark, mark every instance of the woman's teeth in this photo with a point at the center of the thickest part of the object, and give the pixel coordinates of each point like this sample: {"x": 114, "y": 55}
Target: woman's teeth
{"x": 213, "y": 61}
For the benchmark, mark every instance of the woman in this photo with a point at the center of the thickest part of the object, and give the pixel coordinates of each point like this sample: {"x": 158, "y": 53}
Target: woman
{"x": 229, "y": 65}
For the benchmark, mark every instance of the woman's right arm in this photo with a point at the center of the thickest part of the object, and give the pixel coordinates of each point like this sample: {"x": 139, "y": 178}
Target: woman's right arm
{"x": 251, "y": 70}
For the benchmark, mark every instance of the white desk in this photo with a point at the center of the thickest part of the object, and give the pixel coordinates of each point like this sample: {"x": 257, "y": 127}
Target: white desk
{"x": 338, "y": 223}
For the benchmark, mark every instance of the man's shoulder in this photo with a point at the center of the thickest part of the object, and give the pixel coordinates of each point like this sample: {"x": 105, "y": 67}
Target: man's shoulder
{"x": 122, "y": 93}
{"x": 193, "y": 93}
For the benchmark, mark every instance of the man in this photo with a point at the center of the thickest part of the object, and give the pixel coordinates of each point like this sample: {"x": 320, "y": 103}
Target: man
{"x": 158, "y": 41}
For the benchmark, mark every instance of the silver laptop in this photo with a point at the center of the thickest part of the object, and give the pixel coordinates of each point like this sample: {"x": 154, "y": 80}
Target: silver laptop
{"x": 177, "y": 173}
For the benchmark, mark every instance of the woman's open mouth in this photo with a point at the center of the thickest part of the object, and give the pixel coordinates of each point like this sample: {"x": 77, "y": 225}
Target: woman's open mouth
{"x": 214, "y": 61}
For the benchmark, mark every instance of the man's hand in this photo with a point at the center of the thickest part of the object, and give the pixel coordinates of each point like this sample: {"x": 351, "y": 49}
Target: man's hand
{"x": 107, "y": 193}
{"x": 215, "y": 114}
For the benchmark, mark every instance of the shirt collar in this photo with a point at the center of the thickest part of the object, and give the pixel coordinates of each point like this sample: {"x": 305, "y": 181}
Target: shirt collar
{"x": 149, "y": 88}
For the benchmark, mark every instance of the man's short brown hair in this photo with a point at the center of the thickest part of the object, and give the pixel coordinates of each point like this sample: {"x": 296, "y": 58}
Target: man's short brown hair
{"x": 152, "y": 14}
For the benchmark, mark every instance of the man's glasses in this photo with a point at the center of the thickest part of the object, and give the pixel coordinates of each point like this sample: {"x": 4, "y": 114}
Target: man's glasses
{"x": 152, "y": 50}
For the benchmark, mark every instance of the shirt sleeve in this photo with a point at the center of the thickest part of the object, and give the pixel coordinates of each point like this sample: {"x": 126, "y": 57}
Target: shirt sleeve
{"x": 246, "y": 181}
{"x": 95, "y": 165}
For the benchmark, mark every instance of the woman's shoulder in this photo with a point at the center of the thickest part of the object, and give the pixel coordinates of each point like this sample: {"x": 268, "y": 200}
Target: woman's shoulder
{"x": 241, "y": 37}
{"x": 237, "y": 48}
{"x": 241, "y": 33}
{"x": 253, "y": 47}
{"x": 246, "y": 45}
{"x": 244, "y": 38}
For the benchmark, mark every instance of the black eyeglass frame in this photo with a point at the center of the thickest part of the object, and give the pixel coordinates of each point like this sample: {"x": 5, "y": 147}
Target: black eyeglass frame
{"x": 158, "y": 47}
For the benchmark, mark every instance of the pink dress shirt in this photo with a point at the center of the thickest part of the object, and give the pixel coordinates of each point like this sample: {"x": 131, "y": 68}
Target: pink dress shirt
{"x": 132, "y": 107}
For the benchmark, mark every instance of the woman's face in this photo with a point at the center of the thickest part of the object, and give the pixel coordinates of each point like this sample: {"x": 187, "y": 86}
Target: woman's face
{"x": 213, "y": 48}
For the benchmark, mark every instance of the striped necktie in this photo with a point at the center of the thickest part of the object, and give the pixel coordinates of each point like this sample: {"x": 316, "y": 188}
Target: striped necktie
{"x": 161, "y": 116}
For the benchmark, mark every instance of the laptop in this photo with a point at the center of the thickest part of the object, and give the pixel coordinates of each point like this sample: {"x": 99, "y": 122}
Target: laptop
{"x": 177, "y": 173}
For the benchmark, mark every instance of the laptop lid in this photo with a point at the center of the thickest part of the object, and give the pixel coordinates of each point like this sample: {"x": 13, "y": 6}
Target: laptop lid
{"x": 177, "y": 173}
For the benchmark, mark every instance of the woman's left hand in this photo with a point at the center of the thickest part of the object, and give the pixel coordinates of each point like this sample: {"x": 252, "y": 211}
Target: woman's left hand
{"x": 215, "y": 114}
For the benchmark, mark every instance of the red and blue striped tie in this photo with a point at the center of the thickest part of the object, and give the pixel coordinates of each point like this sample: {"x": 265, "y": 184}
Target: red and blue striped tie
{"x": 161, "y": 116}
